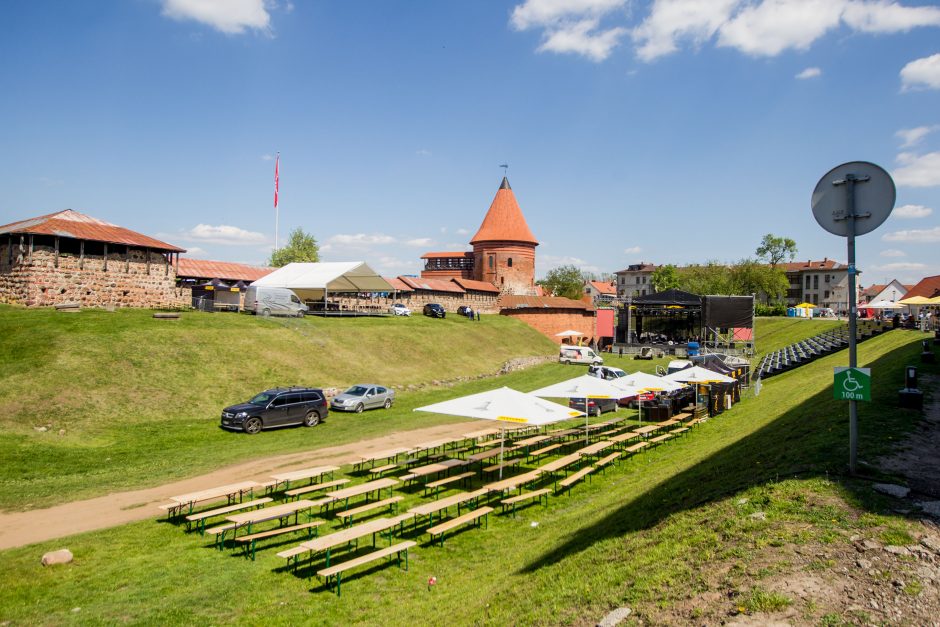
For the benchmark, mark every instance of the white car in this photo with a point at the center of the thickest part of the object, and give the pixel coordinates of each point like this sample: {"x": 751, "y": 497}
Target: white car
{"x": 400, "y": 310}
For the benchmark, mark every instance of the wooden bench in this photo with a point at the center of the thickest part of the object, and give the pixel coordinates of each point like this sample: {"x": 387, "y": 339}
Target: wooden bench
{"x": 509, "y": 463}
{"x": 636, "y": 447}
{"x": 251, "y": 540}
{"x": 464, "y": 477}
{"x": 338, "y": 570}
{"x": 659, "y": 439}
{"x": 347, "y": 516}
{"x": 408, "y": 478}
{"x": 219, "y": 533}
{"x": 569, "y": 481}
{"x": 315, "y": 487}
{"x": 381, "y": 470}
{"x": 603, "y": 462}
{"x": 200, "y": 518}
{"x": 474, "y": 517}
{"x": 679, "y": 430}
{"x": 545, "y": 449}
{"x": 526, "y": 496}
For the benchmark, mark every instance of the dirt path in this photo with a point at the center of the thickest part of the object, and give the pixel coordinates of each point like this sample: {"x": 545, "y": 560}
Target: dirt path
{"x": 22, "y": 528}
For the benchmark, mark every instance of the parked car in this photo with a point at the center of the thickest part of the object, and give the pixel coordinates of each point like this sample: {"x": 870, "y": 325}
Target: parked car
{"x": 434, "y": 310}
{"x": 364, "y": 396}
{"x": 277, "y": 407}
{"x": 595, "y": 406}
{"x": 606, "y": 372}
{"x": 464, "y": 310}
{"x": 400, "y": 310}
{"x": 273, "y": 301}
{"x": 579, "y": 355}
{"x": 642, "y": 397}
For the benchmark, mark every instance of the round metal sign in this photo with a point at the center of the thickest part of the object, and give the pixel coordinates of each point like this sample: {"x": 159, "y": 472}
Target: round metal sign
{"x": 873, "y": 194}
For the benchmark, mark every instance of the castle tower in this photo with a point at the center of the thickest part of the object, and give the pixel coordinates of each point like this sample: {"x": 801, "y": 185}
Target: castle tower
{"x": 504, "y": 247}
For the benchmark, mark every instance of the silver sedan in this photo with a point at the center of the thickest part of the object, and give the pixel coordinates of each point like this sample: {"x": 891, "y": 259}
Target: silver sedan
{"x": 363, "y": 396}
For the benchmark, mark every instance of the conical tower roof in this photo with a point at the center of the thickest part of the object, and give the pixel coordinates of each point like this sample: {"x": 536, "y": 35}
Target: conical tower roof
{"x": 504, "y": 221}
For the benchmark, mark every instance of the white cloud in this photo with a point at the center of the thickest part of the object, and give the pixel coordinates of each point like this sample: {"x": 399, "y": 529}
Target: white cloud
{"x": 672, "y": 20}
{"x": 915, "y": 236}
{"x": 224, "y": 234}
{"x": 553, "y": 261}
{"x": 901, "y": 265}
{"x": 267, "y": 157}
{"x": 921, "y": 74}
{"x": 196, "y": 252}
{"x": 810, "y": 72}
{"x": 361, "y": 239}
{"x": 231, "y": 17}
{"x": 882, "y": 16}
{"x": 420, "y": 242}
{"x": 633, "y": 250}
{"x": 918, "y": 170}
{"x": 582, "y": 38}
{"x": 462, "y": 232}
{"x": 537, "y": 13}
{"x": 423, "y": 152}
{"x": 893, "y": 252}
{"x": 571, "y": 26}
{"x": 769, "y": 28}
{"x": 912, "y": 211}
{"x": 913, "y": 136}
{"x": 395, "y": 266}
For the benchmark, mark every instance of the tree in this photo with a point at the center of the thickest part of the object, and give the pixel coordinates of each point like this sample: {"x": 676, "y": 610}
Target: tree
{"x": 774, "y": 249}
{"x": 567, "y": 281}
{"x": 749, "y": 276}
{"x": 665, "y": 278}
{"x": 301, "y": 247}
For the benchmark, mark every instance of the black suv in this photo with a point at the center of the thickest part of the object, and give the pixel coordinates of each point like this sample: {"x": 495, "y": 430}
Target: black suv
{"x": 434, "y": 310}
{"x": 277, "y": 407}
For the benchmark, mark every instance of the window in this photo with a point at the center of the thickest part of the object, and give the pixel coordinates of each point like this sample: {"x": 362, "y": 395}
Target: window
{"x": 509, "y": 262}
{"x": 491, "y": 262}
{"x": 280, "y": 401}
{"x": 815, "y": 281}
{"x": 807, "y": 281}
{"x": 827, "y": 278}
{"x": 826, "y": 293}
{"x": 638, "y": 280}
{"x": 311, "y": 397}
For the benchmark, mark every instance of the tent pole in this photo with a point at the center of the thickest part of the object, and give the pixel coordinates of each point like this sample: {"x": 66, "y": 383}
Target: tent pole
{"x": 502, "y": 441}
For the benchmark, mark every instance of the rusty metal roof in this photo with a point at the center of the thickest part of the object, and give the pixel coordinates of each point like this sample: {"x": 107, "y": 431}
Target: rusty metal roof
{"x": 69, "y": 223}
{"x": 225, "y": 270}
{"x": 398, "y": 284}
{"x": 513, "y": 301}
{"x": 477, "y": 286}
{"x": 436, "y": 285}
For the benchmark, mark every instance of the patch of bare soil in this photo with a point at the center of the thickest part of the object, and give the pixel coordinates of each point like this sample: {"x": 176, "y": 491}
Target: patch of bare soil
{"x": 917, "y": 458}
{"x": 22, "y": 528}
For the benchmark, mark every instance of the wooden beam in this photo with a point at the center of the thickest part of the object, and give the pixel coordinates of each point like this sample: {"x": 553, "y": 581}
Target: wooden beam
{"x": 147, "y": 250}
{"x": 30, "y": 258}
{"x": 106, "y": 257}
{"x": 56, "y": 263}
{"x": 166, "y": 263}
{"x": 10, "y": 249}
{"x": 127, "y": 259}
{"x": 81, "y": 254}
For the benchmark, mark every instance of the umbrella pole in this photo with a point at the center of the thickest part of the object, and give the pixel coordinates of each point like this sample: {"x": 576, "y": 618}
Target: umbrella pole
{"x": 502, "y": 441}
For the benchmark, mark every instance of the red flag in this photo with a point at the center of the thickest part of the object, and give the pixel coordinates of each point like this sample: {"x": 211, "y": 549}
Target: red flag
{"x": 276, "y": 164}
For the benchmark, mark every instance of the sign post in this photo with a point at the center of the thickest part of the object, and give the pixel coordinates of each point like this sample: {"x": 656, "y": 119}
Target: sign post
{"x": 852, "y": 384}
{"x": 850, "y": 200}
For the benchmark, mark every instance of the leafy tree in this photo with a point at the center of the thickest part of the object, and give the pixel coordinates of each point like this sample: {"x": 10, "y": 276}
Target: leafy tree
{"x": 301, "y": 247}
{"x": 665, "y": 278}
{"x": 774, "y": 249}
{"x": 567, "y": 281}
{"x": 749, "y": 276}
{"x": 710, "y": 278}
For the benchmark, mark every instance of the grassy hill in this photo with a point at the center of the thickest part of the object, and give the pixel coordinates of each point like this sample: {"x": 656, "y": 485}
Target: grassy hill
{"x": 693, "y": 531}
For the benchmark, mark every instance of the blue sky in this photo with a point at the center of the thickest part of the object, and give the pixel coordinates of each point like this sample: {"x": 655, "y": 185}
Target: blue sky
{"x": 671, "y": 131}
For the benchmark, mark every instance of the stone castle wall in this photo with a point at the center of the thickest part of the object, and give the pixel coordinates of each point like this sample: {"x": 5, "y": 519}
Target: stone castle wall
{"x": 512, "y": 269}
{"x": 41, "y": 279}
{"x": 548, "y": 322}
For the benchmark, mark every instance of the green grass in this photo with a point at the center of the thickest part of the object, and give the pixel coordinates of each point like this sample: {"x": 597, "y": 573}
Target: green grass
{"x": 659, "y": 528}
{"x": 774, "y": 333}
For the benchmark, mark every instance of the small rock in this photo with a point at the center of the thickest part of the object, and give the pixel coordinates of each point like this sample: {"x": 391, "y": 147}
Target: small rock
{"x": 40, "y": 429}
{"x": 615, "y": 617}
{"x": 869, "y": 545}
{"x": 898, "y": 583}
{"x": 897, "y": 491}
{"x": 896, "y": 550}
{"x": 758, "y": 516}
{"x": 864, "y": 564}
{"x": 76, "y": 610}
{"x": 61, "y": 431}
{"x": 931, "y": 543}
{"x": 855, "y": 538}
{"x": 62, "y": 556}
{"x": 740, "y": 502}
{"x": 874, "y": 604}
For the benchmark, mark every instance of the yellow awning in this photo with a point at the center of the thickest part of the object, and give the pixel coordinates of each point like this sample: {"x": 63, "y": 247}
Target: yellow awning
{"x": 916, "y": 300}
{"x": 806, "y": 306}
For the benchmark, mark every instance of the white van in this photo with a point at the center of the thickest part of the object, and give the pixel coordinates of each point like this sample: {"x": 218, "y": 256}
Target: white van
{"x": 273, "y": 301}
{"x": 579, "y": 355}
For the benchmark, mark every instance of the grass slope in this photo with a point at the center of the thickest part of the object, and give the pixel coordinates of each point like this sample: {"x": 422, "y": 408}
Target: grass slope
{"x": 775, "y": 333}
{"x": 651, "y": 533}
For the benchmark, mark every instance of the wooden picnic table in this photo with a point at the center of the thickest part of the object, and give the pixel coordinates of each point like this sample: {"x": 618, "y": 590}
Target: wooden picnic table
{"x": 429, "y": 509}
{"x": 477, "y": 457}
{"x": 433, "y": 444}
{"x": 285, "y": 510}
{"x": 488, "y": 443}
{"x": 625, "y": 437}
{"x": 504, "y": 485}
{"x": 595, "y": 448}
{"x": 358, "y": 490}
{"x": 535, "y": 439}
{"x": 305, "y": 473}
{"x": 482, "y": 433}
{"x": 436, "y": 467}
{"x": 646, "y": 430}
{"x": 560, "y": 463}
{"x": 228, "y": 492}
{"x": 371, "y": 458}
{"x": 345, "y": 536}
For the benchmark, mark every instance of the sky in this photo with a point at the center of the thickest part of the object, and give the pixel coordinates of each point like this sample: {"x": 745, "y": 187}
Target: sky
{"x": 665, "y": 131}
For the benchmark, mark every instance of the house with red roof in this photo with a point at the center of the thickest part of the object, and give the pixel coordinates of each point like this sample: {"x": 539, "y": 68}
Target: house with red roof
{"x": 928, "y": 287}
{"x": 71, "y": 257}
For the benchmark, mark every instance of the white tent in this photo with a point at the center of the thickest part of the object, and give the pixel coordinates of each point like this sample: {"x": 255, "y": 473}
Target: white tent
{"x": 586, "y": 387}
{"x": 570, "y": 333}
{"x": 697, "y": 374}
{"x": 504, "y": 405}
{"x": 314, "y": 281}
{"x": 648, "y": 382}
{"x": 883, "y": 304}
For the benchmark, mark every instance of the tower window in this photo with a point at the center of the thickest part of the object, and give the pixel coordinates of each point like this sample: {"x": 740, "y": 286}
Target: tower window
{"x": 491, "y": 262}
{"x": 509, "y": 262}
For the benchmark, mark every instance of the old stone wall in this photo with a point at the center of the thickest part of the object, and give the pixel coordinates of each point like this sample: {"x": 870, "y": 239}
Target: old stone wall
{"x": 484, "y": 302}
{"x": 548, "y": 322}
{"x": 122, "y": 280}
{"x": 507, "y": 265}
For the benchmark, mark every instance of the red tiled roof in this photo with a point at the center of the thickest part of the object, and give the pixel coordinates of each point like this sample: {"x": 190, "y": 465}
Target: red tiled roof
{"x": 478, "y": 286}
{"x": 798, "y": 266}
{"x": 873, "y": 290}
{"x": 639, "y": 267}
{"x": 205, "y": 269}
{"x": 398, "y": 284}
{"x": 928, "y": 287}
{"x": 504, "y": 221}
{"x": 513, "y": 301}
{"x": 446, "y": 255}
{"x": 436, "y": 285}
{"x": 604, "y": 287}
{"x": 69, "y": 223}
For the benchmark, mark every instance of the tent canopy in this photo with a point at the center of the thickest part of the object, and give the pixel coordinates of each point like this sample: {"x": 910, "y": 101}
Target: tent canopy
{"x": 805, "y": 306}
{"x": 311, "y": 281}
{"x": 586, "y": 386}
{"x": 505, "y": 405}
{"x": 569, "y": 333}
{"x": 915, "y": 300}
{"x": 697, "y": 374}
{"x": 883, "y": 304}
{"x": 669, "y": 297}
{"x": 647, "y": 382}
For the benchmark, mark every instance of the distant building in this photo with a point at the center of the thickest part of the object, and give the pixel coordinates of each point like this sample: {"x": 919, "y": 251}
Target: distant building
{"x": 823, "y": 283}
{"x": 928, "y": 287}
{"x": 70, "y": 257}
{"x": 550, "y": 315}
{"x": 503, "y": 250}
{"x": 883, "y": 293}
{"x": 217, "y": 284}
{"x": 600, "y": 292}
{"x": 635, "y": 280}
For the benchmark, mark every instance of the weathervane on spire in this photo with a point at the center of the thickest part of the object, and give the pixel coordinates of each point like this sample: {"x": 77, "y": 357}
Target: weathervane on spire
{"x": 505, "y": 167}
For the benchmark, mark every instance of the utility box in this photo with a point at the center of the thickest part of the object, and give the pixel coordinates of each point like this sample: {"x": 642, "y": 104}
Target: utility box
{"x": 910, "y": 397}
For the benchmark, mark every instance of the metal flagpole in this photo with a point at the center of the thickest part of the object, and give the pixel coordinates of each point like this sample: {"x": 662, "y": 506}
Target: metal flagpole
{"x": 277, "y": 162}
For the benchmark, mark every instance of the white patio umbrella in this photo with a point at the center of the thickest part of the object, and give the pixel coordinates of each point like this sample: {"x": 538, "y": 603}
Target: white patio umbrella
{"x": 647, "y": 383}
{"x": 884, "y": 304}
{"x": 504, "y": 405}
{"x": 570, "y": 333}
{"x": 586, "y": 387}
{"x": 698, "y": 375}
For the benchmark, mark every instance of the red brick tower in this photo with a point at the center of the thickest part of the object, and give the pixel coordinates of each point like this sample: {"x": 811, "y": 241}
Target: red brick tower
{"x": 504, "y": 247}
